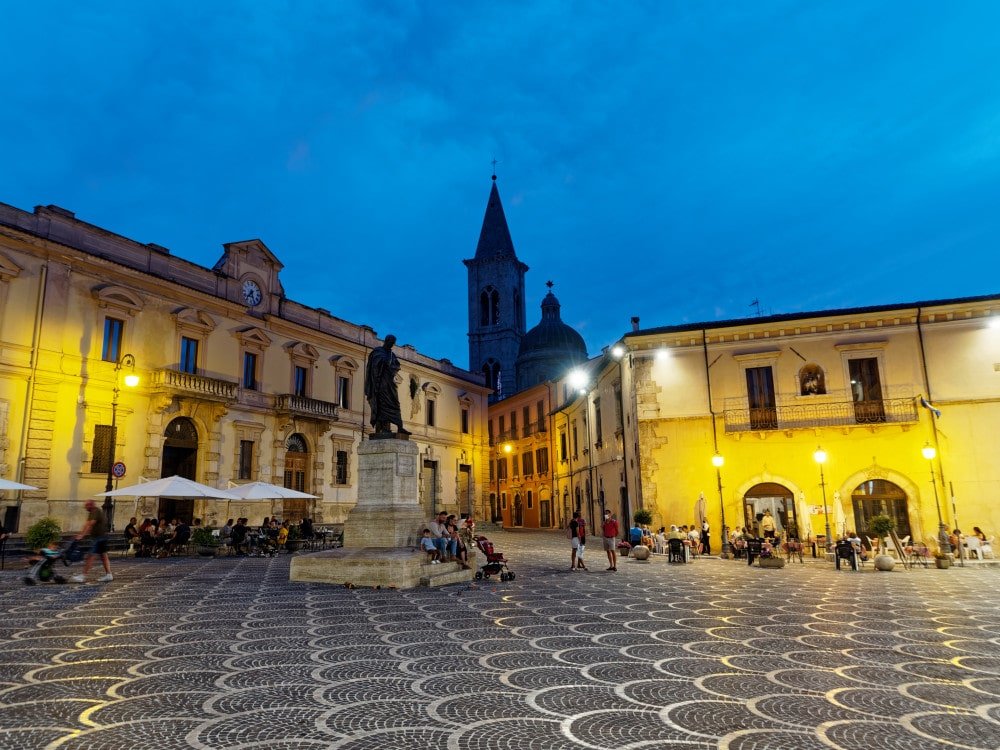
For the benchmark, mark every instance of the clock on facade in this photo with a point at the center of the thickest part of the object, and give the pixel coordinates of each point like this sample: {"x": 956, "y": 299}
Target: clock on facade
{"x": 251, "y": 293}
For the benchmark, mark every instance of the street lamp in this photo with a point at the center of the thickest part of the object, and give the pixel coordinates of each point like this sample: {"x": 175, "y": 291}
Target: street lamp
{"x": 501, "y": 449}
{"x": 131, "y": 380}
{"x": 819, "y": 455}
{"x": 930, "y": 453}
{"x": 717, "y": 462}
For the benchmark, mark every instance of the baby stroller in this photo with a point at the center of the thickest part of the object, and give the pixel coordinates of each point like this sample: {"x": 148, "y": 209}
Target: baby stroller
{"x": 44, "y": 568}
{"x": 495, "y": 561}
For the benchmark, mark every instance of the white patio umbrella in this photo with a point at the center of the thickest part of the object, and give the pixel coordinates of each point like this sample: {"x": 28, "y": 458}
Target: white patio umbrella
{"x": 174, "y": 486}
{"x": 6, "y": 484}
{"x": 267, "y": 491}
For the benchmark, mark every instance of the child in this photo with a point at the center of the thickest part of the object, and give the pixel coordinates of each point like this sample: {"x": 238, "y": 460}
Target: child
{"x": 427, "y": 543}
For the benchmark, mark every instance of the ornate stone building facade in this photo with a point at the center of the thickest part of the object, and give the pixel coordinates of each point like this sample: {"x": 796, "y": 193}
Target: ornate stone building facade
{"x": 865, "y": 385}
{"x": 238, "y": 382}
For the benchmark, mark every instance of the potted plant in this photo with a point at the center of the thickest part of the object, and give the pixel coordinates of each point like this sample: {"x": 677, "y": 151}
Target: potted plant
{"x": 204, "y": 541}
{"x": 42, "y": 533}
{"x": 941, "y": 560}
{"x": 881, "y": 526}
{"x": 642, "y": 517}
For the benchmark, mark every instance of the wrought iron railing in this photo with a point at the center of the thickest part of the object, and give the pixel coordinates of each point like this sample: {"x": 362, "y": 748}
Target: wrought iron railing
{"x": 312, "y": 407}
{"x": 197, "y": 385}
{"x": 791, "y": 416}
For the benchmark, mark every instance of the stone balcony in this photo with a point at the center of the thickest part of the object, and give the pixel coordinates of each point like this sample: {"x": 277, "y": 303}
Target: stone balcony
{"x": 302, "y": 406}
{"x": 820, "y": 412}
{"x": 196, "y": 386}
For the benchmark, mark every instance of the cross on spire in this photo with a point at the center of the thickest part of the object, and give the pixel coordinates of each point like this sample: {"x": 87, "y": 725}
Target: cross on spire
{"x": 549, "y": 284}
{"x": 494, "y": 163}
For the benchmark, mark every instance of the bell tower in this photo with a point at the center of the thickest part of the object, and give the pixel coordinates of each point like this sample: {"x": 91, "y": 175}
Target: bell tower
{"x": 496, "y": 301}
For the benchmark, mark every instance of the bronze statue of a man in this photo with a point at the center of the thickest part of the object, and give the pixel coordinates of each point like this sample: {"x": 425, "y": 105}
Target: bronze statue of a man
{"x": 380, "y": 388}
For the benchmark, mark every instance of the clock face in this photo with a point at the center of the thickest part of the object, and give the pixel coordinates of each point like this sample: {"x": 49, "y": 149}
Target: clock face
{"x": 251, "y": 293}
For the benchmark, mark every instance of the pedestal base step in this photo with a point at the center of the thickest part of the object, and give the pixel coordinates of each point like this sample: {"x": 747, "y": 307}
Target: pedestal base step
{"x": 388, "y": 567}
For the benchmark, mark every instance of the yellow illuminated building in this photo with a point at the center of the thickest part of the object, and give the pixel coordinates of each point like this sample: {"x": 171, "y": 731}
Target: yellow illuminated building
{"x": 237, "y": 382}
{"x": 861, "y": 385}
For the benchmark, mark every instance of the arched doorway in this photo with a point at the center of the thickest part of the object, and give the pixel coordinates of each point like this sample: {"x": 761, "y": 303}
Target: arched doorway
{"x": 296, "y": 477}
{"x": 518, "y": 510}
{"x": 776, "y": 498}
{"x": 180, "y": 457}
{"x": 880, "y": 497}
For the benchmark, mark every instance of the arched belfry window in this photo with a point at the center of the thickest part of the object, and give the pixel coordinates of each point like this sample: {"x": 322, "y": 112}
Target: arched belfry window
{"x": 489, "y": 307}
{"x": 491, "y": 372}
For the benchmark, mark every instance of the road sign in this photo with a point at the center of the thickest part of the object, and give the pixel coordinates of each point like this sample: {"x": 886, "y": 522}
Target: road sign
{"x": 118, "y": 469}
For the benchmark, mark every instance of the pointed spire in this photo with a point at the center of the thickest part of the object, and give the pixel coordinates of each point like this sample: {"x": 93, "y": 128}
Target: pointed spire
{"x": 494, "y": 238}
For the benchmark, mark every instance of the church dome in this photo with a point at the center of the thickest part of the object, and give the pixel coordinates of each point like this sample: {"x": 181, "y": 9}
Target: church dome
{"x": 549, "y": 349}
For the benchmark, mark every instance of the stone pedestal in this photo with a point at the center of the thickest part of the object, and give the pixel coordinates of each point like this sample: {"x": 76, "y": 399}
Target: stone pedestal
{"x": 381, "y": 532}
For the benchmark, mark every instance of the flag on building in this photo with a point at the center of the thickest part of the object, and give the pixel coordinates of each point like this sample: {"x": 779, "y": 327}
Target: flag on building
{"x": 928, "y": 405}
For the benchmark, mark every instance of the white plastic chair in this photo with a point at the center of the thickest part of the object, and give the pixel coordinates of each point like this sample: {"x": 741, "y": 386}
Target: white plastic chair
{"x": 974, "y": 545}
{"x": 987, "y": 548}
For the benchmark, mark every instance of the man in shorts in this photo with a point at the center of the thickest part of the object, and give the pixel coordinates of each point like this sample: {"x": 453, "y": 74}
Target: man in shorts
{"x": 577, "y": 541}
{"x": 96, "y": 529}
{"x": 609, "y": 531}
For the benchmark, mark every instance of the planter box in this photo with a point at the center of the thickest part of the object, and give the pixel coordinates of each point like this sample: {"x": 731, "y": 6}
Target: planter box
{"x": 942, "y": 563}
{"x": 771, "y": 562}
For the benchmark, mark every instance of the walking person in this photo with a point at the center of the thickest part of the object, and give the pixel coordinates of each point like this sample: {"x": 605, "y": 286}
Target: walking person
{"x": 609, "y": 531}
{"x": 96, "y": 529}
{"x": 706, "y": 540}
{"x": 577, "y": 531}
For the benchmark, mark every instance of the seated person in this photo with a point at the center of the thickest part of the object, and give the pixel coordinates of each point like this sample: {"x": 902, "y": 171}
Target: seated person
{"x": 635, "y": 535}
{"x": 131, "y": 533}
{"x": 660, "y": 541}
{"x": 282, "y": 535}
{"x": 955, "y": 539}
{"x": 428, "y": 545}
{"x": 647, "y": 537}
{"x": 306, "y": 530}
{"x": 181, "y": 536}
{"x": 239, "y": 536}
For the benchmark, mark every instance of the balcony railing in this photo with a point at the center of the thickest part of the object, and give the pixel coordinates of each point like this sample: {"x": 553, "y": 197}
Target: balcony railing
{"x": 196, "y": 385}
{"x": 791, "y": 416}
{"x": 308, "y": 407}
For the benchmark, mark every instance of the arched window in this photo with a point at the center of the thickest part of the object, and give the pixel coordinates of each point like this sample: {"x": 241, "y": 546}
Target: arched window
{"x": 880, "y": 497}
{"x": 494, "y": 308}
{"x": 484, "y": 308}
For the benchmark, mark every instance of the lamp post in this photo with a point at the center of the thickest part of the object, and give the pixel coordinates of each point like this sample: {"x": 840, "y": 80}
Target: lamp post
{"x": 131, "y": 380}
{"x": 930, "y": 453}
{"x": 501, "y": 450}
{"x": 717, "y": 462}
{"x": 819, "y": 455}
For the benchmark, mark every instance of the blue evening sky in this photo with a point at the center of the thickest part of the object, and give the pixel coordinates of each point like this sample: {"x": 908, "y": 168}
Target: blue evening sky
{"x": 672, "y": 160}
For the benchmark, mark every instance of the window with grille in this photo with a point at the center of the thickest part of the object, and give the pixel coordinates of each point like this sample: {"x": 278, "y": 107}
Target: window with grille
{"x": 103, "y": 450}
{"x": 246, "y": 459}
{"x": 341, "y": 467}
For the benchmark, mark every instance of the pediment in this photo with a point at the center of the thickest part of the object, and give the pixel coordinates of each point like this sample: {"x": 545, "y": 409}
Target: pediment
{"x": 8, "y": 268}
{"x": 120, "y": 298}
{"x": 302, "y": 350}
{"x": 253, "y": 338}
{"x": 343, "y": 362}
{"x": 190, "y": 318}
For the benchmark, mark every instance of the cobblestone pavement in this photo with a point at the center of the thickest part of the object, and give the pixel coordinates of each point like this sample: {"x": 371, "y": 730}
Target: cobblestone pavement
{"x": 228, "y": 654}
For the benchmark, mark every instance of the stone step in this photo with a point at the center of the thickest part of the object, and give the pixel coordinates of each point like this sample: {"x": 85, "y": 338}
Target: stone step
{"x": 444, "y": 574}
{"x": 446, "y": 578}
